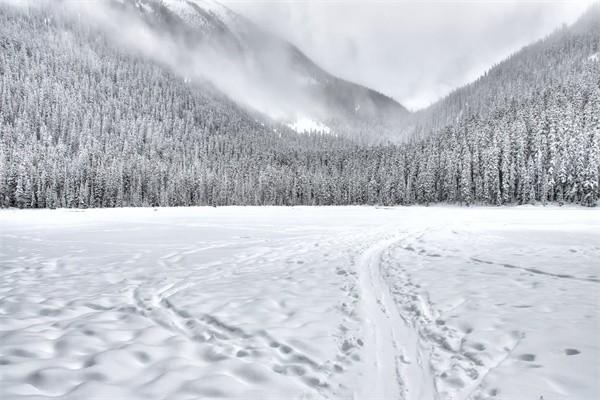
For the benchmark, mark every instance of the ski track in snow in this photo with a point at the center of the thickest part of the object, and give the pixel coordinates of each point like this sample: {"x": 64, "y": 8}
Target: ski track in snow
{"x": 394, "y": 365}
{"x": 307, "y": 303}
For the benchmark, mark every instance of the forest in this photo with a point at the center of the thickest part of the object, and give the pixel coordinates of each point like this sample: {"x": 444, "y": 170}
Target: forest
{"x": 85, "y": 124}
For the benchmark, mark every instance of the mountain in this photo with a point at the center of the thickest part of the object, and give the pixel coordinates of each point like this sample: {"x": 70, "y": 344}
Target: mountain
{"x": 128, "y": 106}
{"x": 528, "y": 130}
{"x": 284, "y": 83}
{"x": 560, "y": 58}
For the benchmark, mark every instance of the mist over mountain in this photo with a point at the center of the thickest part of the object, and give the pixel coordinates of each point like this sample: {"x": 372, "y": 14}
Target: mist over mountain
{"x": 138, "y": 103}
{"x": 206, "y": 43}
{"x": 415, "y": 51}
{"x": 560, "y": 59}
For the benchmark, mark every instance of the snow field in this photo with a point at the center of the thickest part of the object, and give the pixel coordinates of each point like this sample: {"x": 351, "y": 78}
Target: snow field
{"x": 308, "y": 303}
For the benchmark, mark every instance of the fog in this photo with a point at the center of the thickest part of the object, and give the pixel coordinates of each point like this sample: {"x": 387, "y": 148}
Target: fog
{"x": 214, "y": 61}
{"x": 414, "y": 51}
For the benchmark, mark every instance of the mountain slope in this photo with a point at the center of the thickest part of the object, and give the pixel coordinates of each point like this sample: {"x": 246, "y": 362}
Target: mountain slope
{"x": 285, "y": 83}
{"x": 527, "y": 131}
{"x": 86, "y": 120}
{"x": 558, "y": 59}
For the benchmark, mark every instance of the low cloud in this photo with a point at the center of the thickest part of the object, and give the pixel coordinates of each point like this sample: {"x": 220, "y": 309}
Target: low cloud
{"x": 414, "y": 51}
{"x": 232, "y": 72}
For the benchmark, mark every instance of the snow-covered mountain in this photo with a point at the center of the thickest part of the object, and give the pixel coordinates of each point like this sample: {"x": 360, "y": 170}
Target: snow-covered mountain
{"x": 137, "y": 107}
{"x": 557, "y": 60}
{"x": 281, "y": 80}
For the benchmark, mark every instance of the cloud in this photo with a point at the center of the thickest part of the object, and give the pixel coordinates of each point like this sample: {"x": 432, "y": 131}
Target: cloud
{"x": 414, "y": 51}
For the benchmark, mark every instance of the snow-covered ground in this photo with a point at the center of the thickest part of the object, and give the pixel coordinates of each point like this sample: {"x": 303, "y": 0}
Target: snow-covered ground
{"x": 305, "y": 303}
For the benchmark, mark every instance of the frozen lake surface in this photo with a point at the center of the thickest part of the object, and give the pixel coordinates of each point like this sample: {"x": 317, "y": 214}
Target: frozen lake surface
{"x": 304, "y": 303}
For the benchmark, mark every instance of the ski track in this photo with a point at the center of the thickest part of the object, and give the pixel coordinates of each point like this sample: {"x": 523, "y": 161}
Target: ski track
{"x": 443, "y": 369}
{"x": 536, "y": 271}
{"x": 395, "y": 366}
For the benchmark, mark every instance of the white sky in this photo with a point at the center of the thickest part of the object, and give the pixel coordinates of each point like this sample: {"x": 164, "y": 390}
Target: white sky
{"x": 414, "y": 51}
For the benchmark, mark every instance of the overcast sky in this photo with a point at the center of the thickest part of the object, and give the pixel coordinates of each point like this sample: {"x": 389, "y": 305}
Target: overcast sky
{"x": 414, "y": 51}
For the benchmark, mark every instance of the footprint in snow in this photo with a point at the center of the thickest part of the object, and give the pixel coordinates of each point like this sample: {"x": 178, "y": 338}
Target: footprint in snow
{"x": 527, "y": 357}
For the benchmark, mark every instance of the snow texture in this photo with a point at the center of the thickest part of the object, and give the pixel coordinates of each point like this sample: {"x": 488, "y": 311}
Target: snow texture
{"x": 306, "y": 303}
